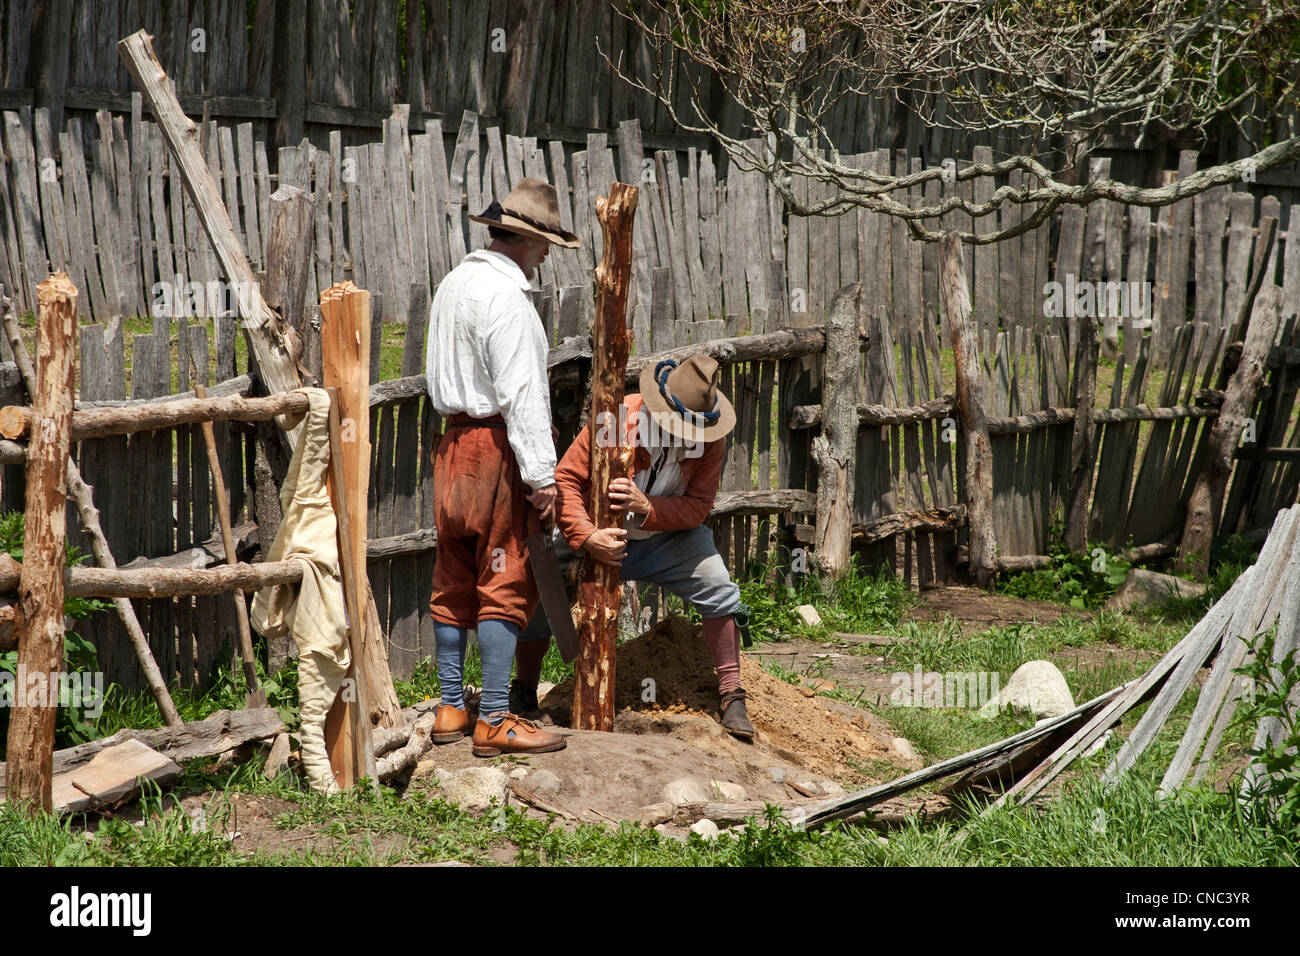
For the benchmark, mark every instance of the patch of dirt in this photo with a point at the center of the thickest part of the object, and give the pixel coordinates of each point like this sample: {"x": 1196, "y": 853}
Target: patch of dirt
{"x": 973, "y": 606}
{"x": 672, "y": 660}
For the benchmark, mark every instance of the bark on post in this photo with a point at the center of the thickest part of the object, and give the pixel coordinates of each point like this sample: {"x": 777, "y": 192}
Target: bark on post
{"x": 835, "y": 449}
{"x": 599, "y": 590}
{"x": 1081, "y": 440}
{"x": 38, "y": 619}
{"x": 960, "y": 332}
{"x": 83, "y": 497}
{"x": 345, "y": 352}
{"x": 1258, "y": 325}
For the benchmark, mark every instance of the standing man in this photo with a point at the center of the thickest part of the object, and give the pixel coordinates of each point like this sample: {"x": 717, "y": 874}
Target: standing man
{"x": 678, "y": 427}
{"x": 486, "y": 368}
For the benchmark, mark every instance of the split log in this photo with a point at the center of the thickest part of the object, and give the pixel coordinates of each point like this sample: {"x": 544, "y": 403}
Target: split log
{"x": 1035, "y": 562}
{"x": 600, "y": 591}
{"x": 345, "y": 366}
{"x": 1258, "y": 326}
{"x": 960, "y": 332}
{"x": 102, "y": 422}
{"x": 214, "y": 735}
{"x": 154, "y": 582}
{"x": 83, "y": 496}
{"x": 38, "y": 620}
{"x": 111, "y": 778}
{"x": 1082, "y": 443}
{"x": 931, "y": 519}
{"x": 763, "y": 502}
{"x": 835, "y": 449}
{"x": 418, "y": 742}
{"x": 289, "y": 254}
{"x": 239, "y": 385}
{"x": 267, "y": 336}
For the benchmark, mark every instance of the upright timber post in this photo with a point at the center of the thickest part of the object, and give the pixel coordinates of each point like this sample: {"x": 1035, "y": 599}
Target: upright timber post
{"x": 345, "y": 361}
{"x": 38, "y": 617}
{"x": 954, "y": 298}
{"x": 835, "y": 449}
{"x": 599, "y": 590}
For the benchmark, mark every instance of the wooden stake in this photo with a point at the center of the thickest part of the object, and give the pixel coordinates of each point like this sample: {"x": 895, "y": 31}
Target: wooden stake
{"x": 347, "y": 727}
{"x": 83, "y": 496}
{"x": 1082, "y": 439}
{"x": 835, "y": 449}
{"x": 600, "y": 591}
{"x": 38, "y": 620}
{"x": 256, "y": 697}
{"x": 345, "y": 360}
{"x": 957, "y": 327}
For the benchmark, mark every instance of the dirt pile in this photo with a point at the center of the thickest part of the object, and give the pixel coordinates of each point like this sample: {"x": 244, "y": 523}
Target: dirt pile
{"x": 669, "y": 670}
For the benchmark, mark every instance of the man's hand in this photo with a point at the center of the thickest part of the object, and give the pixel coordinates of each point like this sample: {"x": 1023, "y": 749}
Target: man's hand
{"x": 608, "y": 545}
{"x": 624, "y": 495}
{"x": 543, "y": 499}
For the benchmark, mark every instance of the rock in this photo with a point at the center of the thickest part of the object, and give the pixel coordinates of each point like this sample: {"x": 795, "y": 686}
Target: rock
{"x": 543, "y": 783}
{"x": 655, "y": 813}
{"x": 278, "y": 760}
{"x": 1036, "y": 686}
{"x": 473, "y": 788}
{"x": 830, "y": 788}
{"x": 705, "y": 828}
{"x": 518, "y": 773}
{"x": 808, "y": 615}
{"x": 904, "y": 747}
{"x": 1143, "y": 588}
{"x": 667, "y": 831}
{"x": 777, "y": 774}
{"x": 729, "y": 792}
{"x": 686, "y": 790}
{"x": 803, "y": 780}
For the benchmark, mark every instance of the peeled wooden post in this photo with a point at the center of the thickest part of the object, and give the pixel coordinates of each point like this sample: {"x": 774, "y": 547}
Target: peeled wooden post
{"x": 38, "y": 619}
{"x": 345, "y": 360}
{"x": 957, "y": 328}
{"x": 1258, "y": 325}
{"x": 835, "y": 449}
{"x": 600, "y": 591}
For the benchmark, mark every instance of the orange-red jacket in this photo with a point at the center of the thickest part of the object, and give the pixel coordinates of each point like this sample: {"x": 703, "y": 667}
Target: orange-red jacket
{"x": 667, "y": 513}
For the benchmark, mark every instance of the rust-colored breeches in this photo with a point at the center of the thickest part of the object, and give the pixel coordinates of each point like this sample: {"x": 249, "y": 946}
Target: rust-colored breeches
{"x": 483, "y": 519}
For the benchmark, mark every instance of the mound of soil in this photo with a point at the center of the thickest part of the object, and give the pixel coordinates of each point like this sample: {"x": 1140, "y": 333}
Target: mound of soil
{"x": 669, "y": 670}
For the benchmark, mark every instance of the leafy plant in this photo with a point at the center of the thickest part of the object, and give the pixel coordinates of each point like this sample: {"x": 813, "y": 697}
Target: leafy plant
{"x": 1274, "y": 796}
{"x": 1081, "y": 579}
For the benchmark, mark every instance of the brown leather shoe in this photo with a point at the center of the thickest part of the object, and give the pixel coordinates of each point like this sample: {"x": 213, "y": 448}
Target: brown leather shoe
{"x": 450, "y": 725}
{"x": 513, "y": 735}
{"x": 735, "y": 719}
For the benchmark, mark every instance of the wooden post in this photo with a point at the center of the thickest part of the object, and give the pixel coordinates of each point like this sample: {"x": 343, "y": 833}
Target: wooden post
{"x": 38, "y": 619}
{"x": 957, "y": 327}
{"x": 835, "y": 449}
{"x": 600, "y": 592}
{"x": 1081, "y": 439}
{"x": 83, "y": 497}
{"x": 1259, "y": 328}
{"x": 347, "y": 727}
{"x": 345, "y": 359}
{"x": 265, "y": 332}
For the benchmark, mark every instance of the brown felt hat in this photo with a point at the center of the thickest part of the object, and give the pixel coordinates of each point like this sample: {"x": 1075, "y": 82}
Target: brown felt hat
{"x": 685, "y": 399}
{"x": 531, "y": 210}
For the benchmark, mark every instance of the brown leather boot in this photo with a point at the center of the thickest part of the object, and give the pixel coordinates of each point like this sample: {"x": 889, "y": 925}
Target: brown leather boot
{"x": 735, "y": 719}
{"x": 514, "y": 735}
{"x": 450, "y": 725}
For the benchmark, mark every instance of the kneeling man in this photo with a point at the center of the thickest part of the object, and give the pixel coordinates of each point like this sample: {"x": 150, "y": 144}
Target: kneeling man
{"x": 678, "y": 426}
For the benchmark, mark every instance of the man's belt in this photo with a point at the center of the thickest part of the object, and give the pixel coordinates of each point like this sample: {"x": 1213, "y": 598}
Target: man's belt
{"x": 461, "y": 420}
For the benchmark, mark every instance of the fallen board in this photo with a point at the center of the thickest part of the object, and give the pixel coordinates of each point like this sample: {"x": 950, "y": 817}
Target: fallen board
{"x": 112, "y": 777}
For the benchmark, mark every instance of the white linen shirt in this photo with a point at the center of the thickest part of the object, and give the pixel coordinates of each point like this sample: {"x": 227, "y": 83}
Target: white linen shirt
{"x": 486, "y": 355}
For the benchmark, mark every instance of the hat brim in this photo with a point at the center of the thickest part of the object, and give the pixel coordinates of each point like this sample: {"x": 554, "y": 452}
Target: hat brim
{"x": 510, "y": 224}
{"x": 671, "y": 421}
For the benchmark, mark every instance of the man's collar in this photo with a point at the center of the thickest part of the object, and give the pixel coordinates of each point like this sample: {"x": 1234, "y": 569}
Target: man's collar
{"x": 503, "y": 264}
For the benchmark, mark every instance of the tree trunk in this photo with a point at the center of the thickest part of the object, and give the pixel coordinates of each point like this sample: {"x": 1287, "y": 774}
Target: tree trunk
{"x": 1081, "y": 440}
{"x": 599, "y": 591}
{"x": 955, "y": 300}
{"x": 835, "y": 449}
{"x": 1259, "y": 325}
{"x": 38, "y": 620}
